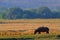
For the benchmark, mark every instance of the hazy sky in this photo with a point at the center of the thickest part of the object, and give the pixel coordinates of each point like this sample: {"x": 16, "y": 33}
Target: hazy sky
{"x": 30, "y": 3}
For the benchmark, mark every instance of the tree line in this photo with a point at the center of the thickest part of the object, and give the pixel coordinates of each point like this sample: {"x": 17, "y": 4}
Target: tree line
{"x": 18, "y": 13}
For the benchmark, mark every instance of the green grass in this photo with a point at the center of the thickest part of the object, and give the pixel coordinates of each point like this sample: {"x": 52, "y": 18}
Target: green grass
{"x": 35, "y": 37}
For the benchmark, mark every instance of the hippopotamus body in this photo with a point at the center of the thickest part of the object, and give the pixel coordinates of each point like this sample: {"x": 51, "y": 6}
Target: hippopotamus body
{"x": 42, "y": 29}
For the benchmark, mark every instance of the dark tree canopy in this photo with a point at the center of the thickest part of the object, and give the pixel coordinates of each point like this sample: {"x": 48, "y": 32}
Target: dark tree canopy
{"x": 18, "y": 13}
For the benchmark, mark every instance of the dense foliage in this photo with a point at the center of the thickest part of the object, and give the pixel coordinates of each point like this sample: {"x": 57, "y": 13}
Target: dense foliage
{"x": 18, "y": 13}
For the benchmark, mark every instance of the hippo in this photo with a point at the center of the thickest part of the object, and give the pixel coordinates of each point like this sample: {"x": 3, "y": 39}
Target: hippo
{"x": 42, "y": 29}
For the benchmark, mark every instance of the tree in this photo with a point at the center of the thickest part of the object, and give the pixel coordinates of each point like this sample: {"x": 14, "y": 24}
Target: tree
{"x": 43, "y": 12}
{"x": 3, "y": 12}
{"x": 15, "y": 13}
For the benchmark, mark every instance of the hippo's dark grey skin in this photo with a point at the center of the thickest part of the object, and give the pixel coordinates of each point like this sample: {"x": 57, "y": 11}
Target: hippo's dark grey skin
{"x": 42, "y": 29}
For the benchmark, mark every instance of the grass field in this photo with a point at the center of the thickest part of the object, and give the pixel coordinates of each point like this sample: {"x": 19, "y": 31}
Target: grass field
{"x": 34, "y": 37}
{"x": 30, "y": 25}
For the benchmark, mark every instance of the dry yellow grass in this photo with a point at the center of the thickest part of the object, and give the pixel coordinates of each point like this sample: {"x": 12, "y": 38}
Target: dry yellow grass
{"x": 30, "y": 25}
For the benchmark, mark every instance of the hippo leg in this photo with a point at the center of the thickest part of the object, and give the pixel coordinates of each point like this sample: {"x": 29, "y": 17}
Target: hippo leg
{"x": 39, "y": 32}
{"x": 47, "y": 32}
{"x": 35, "y": 32}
